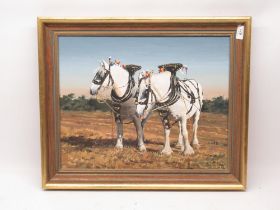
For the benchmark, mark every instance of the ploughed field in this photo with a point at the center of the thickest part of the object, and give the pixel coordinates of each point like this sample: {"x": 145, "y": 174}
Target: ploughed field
{"x": 87, "y": 142}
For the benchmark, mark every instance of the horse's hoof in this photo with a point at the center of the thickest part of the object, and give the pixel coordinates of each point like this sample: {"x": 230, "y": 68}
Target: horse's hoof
{"x": 119, "y": 146}
{"x": 188, "y": 151}
{"x": 142, "y": 148}
{"x": 182, "y": 148}
{"x": 178, "y": 145}
{"x": 166, "y": 151}
{"x": 196, "y": 146}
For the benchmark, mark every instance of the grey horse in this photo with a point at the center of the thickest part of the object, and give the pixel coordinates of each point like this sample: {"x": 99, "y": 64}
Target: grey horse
{"x": 117, "y": 80}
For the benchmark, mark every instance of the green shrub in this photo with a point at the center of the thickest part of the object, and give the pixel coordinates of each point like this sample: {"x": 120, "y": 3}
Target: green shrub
{"x": 216, "y": 105}
{"x": 71, "y": 103}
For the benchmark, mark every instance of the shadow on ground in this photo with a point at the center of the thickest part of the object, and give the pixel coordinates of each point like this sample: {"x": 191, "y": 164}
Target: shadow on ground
{"x": 83, "y": 143}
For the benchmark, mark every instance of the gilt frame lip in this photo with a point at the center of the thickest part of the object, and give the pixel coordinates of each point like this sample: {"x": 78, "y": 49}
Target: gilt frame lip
{"x": 61, "y": 181}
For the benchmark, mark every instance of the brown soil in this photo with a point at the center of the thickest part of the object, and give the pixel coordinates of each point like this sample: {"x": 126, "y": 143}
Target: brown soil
{"x": 87, "y": 142}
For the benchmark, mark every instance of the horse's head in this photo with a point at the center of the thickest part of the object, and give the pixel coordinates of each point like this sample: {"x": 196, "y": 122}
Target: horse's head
{"x": 144, "y": 95}
{"x": 101, "y": 78}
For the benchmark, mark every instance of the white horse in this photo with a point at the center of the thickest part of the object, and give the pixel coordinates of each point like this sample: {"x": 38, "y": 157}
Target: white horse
{"x": 122, "y": 90}
{"x": 183, "y": 101}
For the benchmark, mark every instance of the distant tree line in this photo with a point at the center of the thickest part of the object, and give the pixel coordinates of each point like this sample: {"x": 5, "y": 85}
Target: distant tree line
{"x": 216, "y": 105}
{"x": 71, "y": 103}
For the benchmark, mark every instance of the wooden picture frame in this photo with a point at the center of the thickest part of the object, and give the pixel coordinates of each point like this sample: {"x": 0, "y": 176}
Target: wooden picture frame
{"x": 53, "y": 177}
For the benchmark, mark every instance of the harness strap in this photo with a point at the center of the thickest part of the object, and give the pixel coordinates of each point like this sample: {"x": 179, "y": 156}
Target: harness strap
{"x": 173, "y": 97}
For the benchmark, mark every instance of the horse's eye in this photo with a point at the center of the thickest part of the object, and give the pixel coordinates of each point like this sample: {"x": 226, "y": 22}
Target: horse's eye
{"x": 97, "y": 79}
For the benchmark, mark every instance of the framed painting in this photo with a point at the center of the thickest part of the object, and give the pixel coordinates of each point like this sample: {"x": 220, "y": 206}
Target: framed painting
{"x": 144, "y": 104}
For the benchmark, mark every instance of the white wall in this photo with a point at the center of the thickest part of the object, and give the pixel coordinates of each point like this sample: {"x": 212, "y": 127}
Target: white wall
{"x": 19, "y": 107}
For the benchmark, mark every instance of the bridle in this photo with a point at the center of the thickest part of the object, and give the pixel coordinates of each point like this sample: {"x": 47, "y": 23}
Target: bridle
{"x": 98, "y": 80}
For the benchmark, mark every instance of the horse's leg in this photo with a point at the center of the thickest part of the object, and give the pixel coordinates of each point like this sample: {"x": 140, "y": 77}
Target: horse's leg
{"x": 188, "y": 150}
{"x": 119, "y": 123}
{"x": 143, "y": 122}
{"x": 166, "y": 124}
{"x": 195, "y": 126}
{"x": 180, "y": 138}
{"x": 139, "y": 130}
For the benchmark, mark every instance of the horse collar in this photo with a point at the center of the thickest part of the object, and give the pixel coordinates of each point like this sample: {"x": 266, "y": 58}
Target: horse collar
{"x": 128, "y": 93}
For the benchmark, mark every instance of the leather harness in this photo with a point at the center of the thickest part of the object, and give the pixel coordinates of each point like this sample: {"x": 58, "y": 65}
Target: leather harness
{"x": 175, "y": 93}
{"x": 117, "y": 101}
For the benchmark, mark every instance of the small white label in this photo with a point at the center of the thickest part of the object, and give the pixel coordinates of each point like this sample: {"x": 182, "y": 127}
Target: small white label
{"x": 240, "y": 32}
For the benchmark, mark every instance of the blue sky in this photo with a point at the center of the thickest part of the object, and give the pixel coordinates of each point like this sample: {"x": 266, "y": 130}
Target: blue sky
{"x": 207, "y": 59}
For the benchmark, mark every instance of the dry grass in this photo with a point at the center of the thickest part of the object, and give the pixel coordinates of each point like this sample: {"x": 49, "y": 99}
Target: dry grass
{"x": 87, "y": 142}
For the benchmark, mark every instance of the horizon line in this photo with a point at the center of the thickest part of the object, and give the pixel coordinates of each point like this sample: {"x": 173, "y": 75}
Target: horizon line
{"x": 93, "y": 97}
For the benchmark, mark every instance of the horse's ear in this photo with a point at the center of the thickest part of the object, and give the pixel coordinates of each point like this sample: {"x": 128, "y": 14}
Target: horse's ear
{"x": 144, "y": 74}
{"x": 106, "y": 65}
{"x": 148, "y": 74}
{"x": 184, "y": 69}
